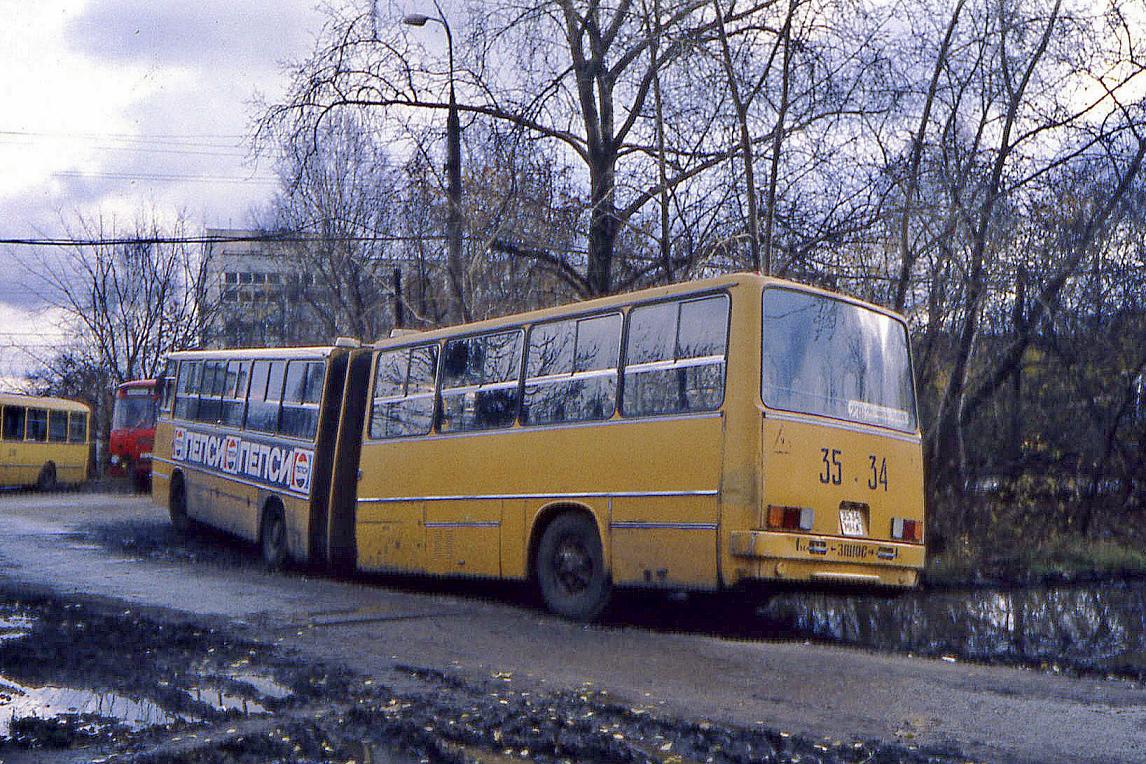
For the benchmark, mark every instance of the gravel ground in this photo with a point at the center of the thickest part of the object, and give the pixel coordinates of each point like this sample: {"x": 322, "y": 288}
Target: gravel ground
{"x": 214, "y": 694}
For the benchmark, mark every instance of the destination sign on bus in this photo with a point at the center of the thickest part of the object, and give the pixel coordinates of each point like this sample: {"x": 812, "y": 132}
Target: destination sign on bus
{"x": 271, "y": 464}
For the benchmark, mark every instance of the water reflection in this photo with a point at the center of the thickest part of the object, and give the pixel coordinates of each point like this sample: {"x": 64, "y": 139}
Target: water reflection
{"x": 18, "y": 701}
{"x": 1099, "y": 628}
{"x": 15, "y": 626}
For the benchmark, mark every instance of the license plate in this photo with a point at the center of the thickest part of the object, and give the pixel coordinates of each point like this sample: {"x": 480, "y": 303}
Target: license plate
{"x": 851, "y": 522}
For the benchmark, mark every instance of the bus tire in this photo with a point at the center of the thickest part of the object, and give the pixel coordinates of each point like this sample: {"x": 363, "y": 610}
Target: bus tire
{"x": 273, "y": 537}
{"x": 177, "y": 505}
{"x": 47, "y": 479}
{"x": 571, "y": 568}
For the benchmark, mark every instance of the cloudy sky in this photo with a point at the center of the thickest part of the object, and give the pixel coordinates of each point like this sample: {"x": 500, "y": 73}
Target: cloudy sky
{"x": 110, "y": 106}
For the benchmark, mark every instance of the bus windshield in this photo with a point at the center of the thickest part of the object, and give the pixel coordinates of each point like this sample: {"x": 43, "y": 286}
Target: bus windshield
{"x": 133, "y": 413}
{"x": 833, "y": 358}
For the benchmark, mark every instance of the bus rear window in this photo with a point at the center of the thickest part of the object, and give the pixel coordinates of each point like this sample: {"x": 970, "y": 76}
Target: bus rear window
{"x": 833, "y": 358}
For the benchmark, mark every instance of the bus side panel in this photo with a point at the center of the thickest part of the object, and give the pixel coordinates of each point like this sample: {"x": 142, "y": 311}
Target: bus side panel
{"x": 71, "y": 462}
{"x": 162, "y": 469}
{"x": 665, "y": 541}
{"x": 468, "y": 484}
{"x": 297, "y": 514}
{"x": 31, "y": 458}
{"x": 390, "y": 536}
{"x": 514, "y": 537}
{"x": 17, "y": 466}
{"x": 463, "y": 537}
{"x": 669, "y": 540}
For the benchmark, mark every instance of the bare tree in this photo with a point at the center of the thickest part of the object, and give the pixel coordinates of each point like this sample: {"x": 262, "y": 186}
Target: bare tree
{"x": 340, "y": 197}
{"x": 623, "y": 92}
{"x": 128, "y": 296}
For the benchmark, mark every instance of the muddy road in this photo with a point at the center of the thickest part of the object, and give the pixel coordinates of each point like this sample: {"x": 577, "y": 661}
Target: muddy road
{"x": 120, "y": 641}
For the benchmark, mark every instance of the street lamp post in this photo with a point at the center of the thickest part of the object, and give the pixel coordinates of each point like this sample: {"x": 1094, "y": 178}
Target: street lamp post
{"x": 453, "y": 175}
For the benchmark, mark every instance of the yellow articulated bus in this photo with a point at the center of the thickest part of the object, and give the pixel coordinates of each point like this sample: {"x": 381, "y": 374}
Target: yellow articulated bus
{"x": 43, "y": 441}
{"x": 699, "y": 436}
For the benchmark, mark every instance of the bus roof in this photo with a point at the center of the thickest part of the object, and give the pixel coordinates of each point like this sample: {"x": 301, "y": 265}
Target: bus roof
{"x": 133, "y": 383}
{"x": 572, "y": 308}
{"x": 288, "y": 353}
{"x": 37, "y": 401}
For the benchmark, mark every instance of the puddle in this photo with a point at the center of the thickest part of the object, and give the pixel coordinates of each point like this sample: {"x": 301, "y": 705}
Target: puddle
{"x": 15, "y": 626}
{"x": 50, "y": 701}
{"x": 373, "y": 753}
{"x": 85, "y": 547}
{"x": 266, "y": 686}
{"x": 225, "y": 700}
{"x": 1094, "y": 629}
{"x": 18, "y": 701}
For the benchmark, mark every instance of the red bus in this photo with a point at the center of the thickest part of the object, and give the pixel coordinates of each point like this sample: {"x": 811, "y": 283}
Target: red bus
{"x": 133, "y": 430}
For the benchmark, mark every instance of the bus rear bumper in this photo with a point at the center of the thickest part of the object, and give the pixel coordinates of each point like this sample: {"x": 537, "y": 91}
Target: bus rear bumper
{"x": 828, "y": 559}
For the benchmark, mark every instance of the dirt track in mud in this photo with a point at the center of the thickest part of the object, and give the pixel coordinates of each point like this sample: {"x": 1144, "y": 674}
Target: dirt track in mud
{"x": 184, "y": 650}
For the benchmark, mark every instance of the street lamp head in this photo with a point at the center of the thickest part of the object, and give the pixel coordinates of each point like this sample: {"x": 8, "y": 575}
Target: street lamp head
{"x": 415, "y": 19}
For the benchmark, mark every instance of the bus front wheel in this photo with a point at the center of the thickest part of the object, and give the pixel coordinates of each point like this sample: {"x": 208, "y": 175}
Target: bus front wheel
{"x": 571, "y": 568}
{"x": 272, "y": 538}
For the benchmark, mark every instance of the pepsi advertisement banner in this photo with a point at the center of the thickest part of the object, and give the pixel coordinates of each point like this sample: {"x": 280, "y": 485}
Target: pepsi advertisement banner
{"x": 273, "y": 465}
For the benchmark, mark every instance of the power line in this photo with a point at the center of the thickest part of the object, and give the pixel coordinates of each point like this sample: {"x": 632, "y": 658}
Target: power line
{"x": 150, "y": 137}
{"x": 163, "y": 177}
{"x": 227, "y": 239}
{"x": 172, "y": 150}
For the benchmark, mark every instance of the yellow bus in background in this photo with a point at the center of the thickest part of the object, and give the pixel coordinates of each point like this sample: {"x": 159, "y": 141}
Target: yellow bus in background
{"x": 701, "y": 436}
{"x": 43, "y": 441}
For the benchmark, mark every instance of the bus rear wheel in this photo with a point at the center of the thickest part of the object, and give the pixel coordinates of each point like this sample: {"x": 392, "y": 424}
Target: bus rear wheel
{"x": 571, "y": 568}
{"x": 47, "y": 479}
{"x": 272, "y": 538}
{"x": 177, "y": 506}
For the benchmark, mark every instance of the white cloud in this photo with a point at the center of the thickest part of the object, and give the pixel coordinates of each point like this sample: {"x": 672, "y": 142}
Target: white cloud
{"x": 53, "y": 96}
{"x": 28, "y": 337}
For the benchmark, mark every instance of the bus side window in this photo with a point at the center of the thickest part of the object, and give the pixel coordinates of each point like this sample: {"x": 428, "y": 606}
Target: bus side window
{"x": 187, "y": 392}
{"x": 58, "y": 426}
{"x": 301, "y": 396}
{"x": 167, "y": 386}
{"x": 210, "y": 390}
{"x": 479, "y": 382}
{"x": 77, "y": 427}
{"x": 404, "y": 392}
{"x": 571, "y": 370}
{"x": 14, "y": 417}
{"x": 235, "y": 393}
{"x": 37, "y": 425}
{"x": 266, "y": 392}
{"x": 675, "y": 357}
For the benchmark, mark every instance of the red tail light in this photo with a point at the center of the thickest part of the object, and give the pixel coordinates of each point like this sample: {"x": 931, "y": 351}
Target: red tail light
{"x": 790, "y": 518}
{"x": 907, "y": 530}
